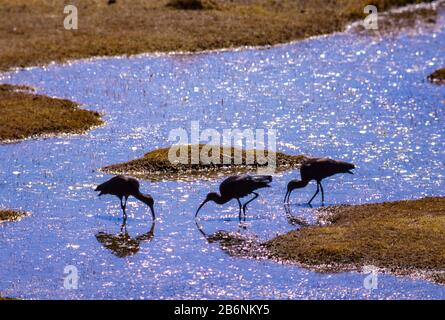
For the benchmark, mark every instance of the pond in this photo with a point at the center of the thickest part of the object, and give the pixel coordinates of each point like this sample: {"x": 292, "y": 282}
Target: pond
{"x": 360, "y": 98}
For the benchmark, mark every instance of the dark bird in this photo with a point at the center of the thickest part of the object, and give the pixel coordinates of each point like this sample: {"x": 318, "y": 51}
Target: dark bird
{"x": 236, "y": 187}
{"x": 317, "y": 169}
{"x": 123, "y": 187}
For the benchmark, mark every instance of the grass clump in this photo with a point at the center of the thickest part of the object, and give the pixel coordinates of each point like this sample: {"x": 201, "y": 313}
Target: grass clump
{"x": 32, "y": 32}
{"x": 24, "y": 114}
{"x": 437, "y": 76}
{"x": 8, "y": 215}
{"x": 156, "y": 164}
{"x": 405, "y": 237}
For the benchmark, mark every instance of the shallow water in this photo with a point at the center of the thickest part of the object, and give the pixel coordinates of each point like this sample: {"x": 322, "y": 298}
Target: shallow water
{"x": 363, "y": 99}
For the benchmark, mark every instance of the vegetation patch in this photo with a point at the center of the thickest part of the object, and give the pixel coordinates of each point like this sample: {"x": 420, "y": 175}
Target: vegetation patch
{"x": 32, "y": 32}
{"x": 7, "y": 215}
{"x": 24, "y": 114}
{"x": 404, "y": 237}
{"x": 156, "y": 164}
{"x": 437, "y": 76}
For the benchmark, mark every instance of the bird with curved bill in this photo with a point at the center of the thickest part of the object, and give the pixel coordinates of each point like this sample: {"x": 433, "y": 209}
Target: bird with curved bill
{"x": 317, "y": 169}
{"x": 237, "y": 187}
{"x": 124, "y": 187}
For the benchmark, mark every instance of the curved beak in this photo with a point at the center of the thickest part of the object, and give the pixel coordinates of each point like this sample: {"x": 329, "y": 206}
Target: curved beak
{"x": 152, "y": 212}
{"x": 202, "y": 204}
{"x": 285, "y": 197}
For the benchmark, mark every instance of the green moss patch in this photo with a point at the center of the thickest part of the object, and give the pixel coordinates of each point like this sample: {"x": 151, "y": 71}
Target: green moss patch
{"x": 155, "y": 165}
{"x": 24, "y": 114}
{"x": 405, "y": 237}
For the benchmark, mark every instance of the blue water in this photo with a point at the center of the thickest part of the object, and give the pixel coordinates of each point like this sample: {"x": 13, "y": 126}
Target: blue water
{"x": 363, "y": 99}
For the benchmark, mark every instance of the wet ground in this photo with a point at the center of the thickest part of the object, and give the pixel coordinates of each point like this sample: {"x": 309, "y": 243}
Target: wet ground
{"x": 359, "y": 98}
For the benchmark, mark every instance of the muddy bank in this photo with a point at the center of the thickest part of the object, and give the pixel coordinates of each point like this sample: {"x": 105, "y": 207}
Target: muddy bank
{"x": 24, "y": 114}
{"x": 8, "y": 215}
{"x": 403, "y": 237}
{"x": 155, "y": 165}
{"x": 32, "y": 32}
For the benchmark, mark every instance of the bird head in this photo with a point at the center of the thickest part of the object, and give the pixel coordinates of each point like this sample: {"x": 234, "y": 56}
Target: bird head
{"x": 294, "y": 184}
{"x": 212, "y": 196}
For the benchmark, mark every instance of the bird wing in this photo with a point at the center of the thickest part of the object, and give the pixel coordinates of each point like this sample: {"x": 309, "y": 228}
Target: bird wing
{"x": 242, "y": 185}
{"x": 119, "y": 185}
{"x": 319, "y": 168}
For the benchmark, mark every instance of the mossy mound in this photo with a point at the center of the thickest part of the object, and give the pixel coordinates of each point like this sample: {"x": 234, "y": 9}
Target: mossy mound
{"x": 7, "y": 215}
{"x": 437, "y": 76}
{"x": 155, "y": 165}
{"x": 405, "y": 237}
{"x": 24, "y": 114}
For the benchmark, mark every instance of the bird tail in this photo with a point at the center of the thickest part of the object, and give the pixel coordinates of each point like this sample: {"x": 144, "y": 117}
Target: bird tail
{"x": 99, "y": 188}
{"x": 263, "y": 180}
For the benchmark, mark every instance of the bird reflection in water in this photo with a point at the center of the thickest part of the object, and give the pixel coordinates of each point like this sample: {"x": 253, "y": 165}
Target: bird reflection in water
{"x": 122, "y": 244}
{"x": 235, "y": 244}
{"x": 294, "y": 220}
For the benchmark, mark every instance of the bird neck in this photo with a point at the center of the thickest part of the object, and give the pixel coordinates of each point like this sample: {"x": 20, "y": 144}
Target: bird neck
{"x": 140, "y": 197}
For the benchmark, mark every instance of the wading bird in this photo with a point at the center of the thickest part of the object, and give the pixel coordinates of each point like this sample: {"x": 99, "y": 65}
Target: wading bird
{"x": 317, "y": 169}
{"x": 236, "y": 187}
{"x": 123, "y": 187}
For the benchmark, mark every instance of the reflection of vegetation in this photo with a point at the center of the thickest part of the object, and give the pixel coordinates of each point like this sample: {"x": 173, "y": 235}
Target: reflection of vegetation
{"x": 11, "y": 215}
{"x": 156, "y": 165}
{"x": 437, "y": 76}
{"x": 31, "y": 32}
{"x": 403, "y": 236}
{"x": 122, "y": 244}
{"x": 24, "y": 114}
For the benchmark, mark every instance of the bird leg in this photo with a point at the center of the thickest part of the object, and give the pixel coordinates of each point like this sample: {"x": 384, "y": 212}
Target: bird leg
{"x": 316, "y": 192}
{"x": 125, "y": 203}
{"x": 123, "y": 207}
{"x": 322, "y": 193}
{"x": 245, "y": 205}
{"x": 239, "y": 215}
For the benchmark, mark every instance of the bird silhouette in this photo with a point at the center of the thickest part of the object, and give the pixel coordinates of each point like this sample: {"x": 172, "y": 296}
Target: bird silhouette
{"x": 237, "y": 187}
{"x": 122, "y": 244}
{"x": 123, "y": 187}
{"x": 317, "y": 169}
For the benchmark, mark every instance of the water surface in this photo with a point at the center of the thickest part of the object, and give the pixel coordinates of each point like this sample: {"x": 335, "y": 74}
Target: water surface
{"x": 363, "y": 99}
